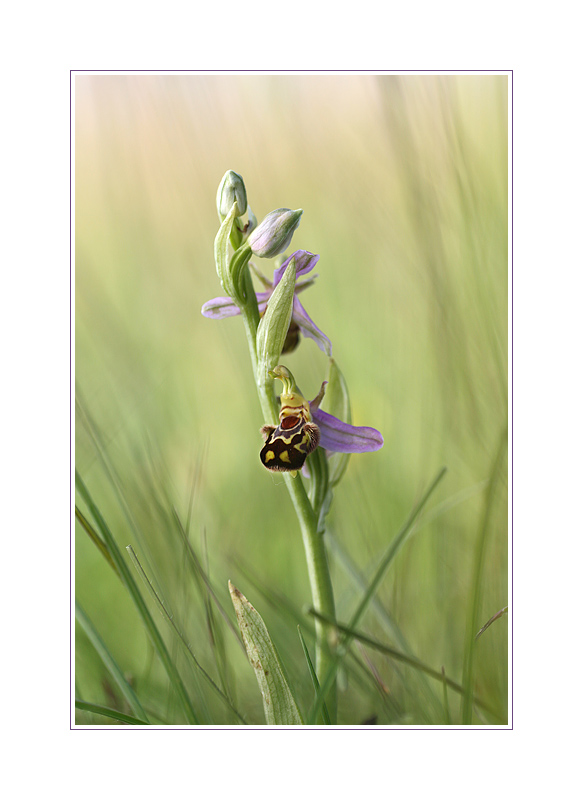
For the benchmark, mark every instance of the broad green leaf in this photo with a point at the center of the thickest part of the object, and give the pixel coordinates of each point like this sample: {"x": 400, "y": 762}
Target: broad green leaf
{"x": 278, "y": 702}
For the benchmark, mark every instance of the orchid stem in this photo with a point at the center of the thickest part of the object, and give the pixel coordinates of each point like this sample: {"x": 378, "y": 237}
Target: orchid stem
{"x": 318, "y": 571}
{"x": 320, "y": 583}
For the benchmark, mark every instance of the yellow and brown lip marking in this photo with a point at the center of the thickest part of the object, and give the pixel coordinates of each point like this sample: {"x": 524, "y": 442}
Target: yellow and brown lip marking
{"x": 289, "y": 444}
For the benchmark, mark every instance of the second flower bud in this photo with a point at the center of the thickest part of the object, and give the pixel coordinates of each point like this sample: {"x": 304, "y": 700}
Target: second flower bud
{"x": 273, "y": 235}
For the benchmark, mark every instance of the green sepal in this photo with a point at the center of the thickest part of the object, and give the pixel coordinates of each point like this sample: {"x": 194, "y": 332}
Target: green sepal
{"x": 327, "y": 470}
{"x": 319, "y": 479}
{"x": 338, "y": 404}
{"x": 278, "y": 701}
{"x": 274, "y": 325}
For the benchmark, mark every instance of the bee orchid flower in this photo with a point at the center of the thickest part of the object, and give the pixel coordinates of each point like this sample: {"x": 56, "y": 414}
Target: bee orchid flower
{"x": 303, "y": 427}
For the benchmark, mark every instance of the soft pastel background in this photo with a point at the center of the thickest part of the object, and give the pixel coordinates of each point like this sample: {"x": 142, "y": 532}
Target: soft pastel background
{"x": 403, "y": 182}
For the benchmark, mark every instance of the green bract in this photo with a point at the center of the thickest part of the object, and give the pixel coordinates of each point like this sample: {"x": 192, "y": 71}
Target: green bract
{"x": 338, "y": 404}
{"x": 222, "y": 250}
{"x": 274, "y": 325}
{"x": 230, "y": 270}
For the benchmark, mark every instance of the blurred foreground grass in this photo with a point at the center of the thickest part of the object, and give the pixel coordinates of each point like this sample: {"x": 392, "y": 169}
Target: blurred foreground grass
{"x": 403, "y": 182}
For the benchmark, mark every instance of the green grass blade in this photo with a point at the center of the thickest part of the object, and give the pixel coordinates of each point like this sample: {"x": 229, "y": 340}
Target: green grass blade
{"x": 216, "y": 634}
{"x": 491, "y": 620}
{"x": 108, "y": 712}
{"x": 394, "y": 548}
{"x": 423, "y": 689}
{"x": 144, "y": 613}
{"x": 168, "y": 617}
{"x": 313, "y": 675}
{"x": 445, "y": 700}
{"x": 282, "y": 604}
{"x": 110, "y": 663}
{"x": 278, "y": 701}
{"x": 202, "y": 578}
{"x": 95, "y": 538}
{"x": 472, "y": 623}
{"x": 411, "y": 661}
{"x": 373, "y": 586}
{"x": 276, "y": 599}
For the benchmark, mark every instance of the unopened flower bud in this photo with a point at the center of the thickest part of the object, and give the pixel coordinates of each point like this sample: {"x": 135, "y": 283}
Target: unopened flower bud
{"x": 273, "y": 235}
{"x": 231, "y": 189}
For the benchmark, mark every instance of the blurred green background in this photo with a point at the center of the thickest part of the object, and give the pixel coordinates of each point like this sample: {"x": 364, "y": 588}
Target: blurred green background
{"x": 404, "y": 185}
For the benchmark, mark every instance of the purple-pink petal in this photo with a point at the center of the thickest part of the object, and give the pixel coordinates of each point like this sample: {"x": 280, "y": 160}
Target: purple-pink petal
{"x": 305, "y": 262}
{"x": 223, "y": 307}
{"x": 309, "y": 328}
{"x": 340, "y": 437}
{"x": 220, "y": 308}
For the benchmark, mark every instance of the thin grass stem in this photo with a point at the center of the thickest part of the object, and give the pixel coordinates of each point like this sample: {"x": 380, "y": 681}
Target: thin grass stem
{"x": 110, "y": 663}
{"x": 411, "y": 661}
{"x": 135, "y": 594}
{"x": 477, "y": 581}
{"x": 104, "y": 711}
{"x": 313, "y": 675}
{"x": 168, "y": 617}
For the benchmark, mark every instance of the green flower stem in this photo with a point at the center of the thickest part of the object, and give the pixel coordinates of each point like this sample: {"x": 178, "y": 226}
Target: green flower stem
{"x": 320, "y": 583}
{"x": 319, "y": 574}
{"x": 250, "y": 314}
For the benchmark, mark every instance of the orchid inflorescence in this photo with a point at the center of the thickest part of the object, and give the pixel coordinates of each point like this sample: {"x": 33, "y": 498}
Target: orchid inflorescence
{"x": 298, "y": 435}
{"x": 275, "y": 319}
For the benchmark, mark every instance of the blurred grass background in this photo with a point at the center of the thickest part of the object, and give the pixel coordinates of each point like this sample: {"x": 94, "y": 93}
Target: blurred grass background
{"x": 403, "y": 182}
